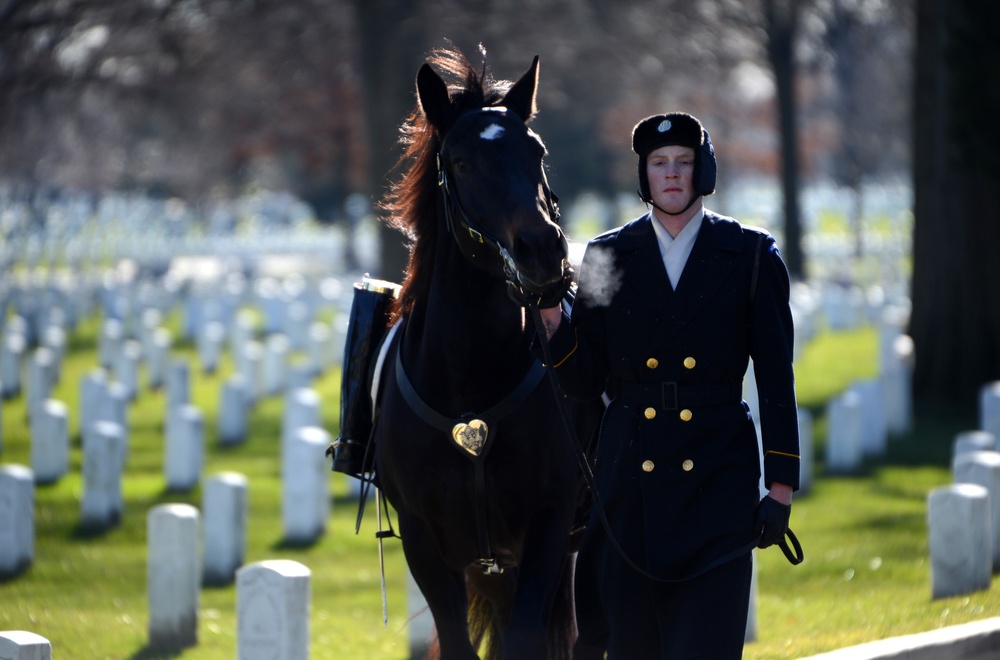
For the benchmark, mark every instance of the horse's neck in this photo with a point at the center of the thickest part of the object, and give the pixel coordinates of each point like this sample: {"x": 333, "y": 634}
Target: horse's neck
{"x": 468, "y": 333}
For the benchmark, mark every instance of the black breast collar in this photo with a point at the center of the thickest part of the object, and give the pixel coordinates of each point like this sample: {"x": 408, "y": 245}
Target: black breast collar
{"x": 471, "y": 436}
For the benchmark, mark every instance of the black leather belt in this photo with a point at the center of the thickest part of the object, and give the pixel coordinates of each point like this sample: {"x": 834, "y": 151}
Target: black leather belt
{"x": 671, "y": 395}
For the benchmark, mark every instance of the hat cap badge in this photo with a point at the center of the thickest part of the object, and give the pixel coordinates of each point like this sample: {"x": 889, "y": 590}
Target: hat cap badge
{"x": 664, "y": 126}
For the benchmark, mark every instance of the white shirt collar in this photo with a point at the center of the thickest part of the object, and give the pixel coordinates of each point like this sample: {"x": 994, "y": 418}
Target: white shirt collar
{"x": 676, "y": 250}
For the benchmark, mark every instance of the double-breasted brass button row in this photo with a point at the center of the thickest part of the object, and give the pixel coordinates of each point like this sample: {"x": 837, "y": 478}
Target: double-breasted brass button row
{"x": 649, "y": 466}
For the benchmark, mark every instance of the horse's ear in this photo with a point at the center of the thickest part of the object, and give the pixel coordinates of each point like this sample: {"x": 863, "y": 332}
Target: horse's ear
{"x": 432, "y": 92}
{"x": 520, "y": 99}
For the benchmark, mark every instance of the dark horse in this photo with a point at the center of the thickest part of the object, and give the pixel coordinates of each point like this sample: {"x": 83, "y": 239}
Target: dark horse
{"x": 470, "y": 448}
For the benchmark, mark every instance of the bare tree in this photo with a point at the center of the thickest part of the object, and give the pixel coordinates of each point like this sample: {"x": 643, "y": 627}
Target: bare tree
{"x": 955, "y": 322}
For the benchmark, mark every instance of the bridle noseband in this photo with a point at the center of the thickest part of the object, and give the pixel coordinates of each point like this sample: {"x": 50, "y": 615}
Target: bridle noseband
{"x": 467, "y": 227}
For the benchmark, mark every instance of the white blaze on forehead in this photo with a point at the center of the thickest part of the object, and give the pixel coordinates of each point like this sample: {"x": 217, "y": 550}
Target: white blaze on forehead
{"x": 492, "y": 132}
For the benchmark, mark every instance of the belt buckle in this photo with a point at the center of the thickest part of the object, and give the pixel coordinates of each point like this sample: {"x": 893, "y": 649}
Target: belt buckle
{"x": 668, "y": 391}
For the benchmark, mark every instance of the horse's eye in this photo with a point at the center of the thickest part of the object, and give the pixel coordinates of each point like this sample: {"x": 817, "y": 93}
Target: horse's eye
{"x": 460, "y": 166}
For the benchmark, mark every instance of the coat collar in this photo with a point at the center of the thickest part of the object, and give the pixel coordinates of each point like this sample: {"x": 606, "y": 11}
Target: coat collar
{"x": 713, "y": 257}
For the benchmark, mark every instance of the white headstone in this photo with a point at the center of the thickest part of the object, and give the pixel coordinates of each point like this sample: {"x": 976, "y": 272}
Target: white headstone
{"x": 54, "y": 339}
{"x": 173, "y": 575}
{"x": 319, "y": 348}
{"x": 11, "y": 357}
{"x": 91, "y": 397}
{"x": 234, "y": 411}
{"x": 275, "y": 371}
{"x": 39, "y": 379}
{"x": 50, "y": 442}
{"x": 149, "y": 322}
{"x": 113, "y": 407}
{"x": 24, "y": 645}
{"x": 103, "y": 460}
{"x": 989, "y": 408}
{"x": 959, "y": 525}
{"x": 111, "y": 335}
{"x": 126, "y": 367}
{"x": 806, "y": 451}
{"x": 224, "y": 507}
{"x": 844, "y": 449}
{"x": 272, "y": 611}
{"x": 243, "y": 330}
{"x": 305, "y": 486}
{"x": 252, "y": 368}
{"x": 211, "y": 339}
{"x": 301, "y": 408}
{"x": 17, "y": 519}
{"x": 158, "y": 358}
{"x": 983, "y": 469}
{"x": 184, "y": 448}
{"x": 897, "y": 385}
{"x": 298, "y": 317}
{"x": 178, "y": 383}
{"x": 874, "y": 434}
{"x": 967, "y": 441}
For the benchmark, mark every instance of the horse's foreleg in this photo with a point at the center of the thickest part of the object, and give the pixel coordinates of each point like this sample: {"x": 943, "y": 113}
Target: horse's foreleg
{"x": 443, "y": 589}
{"x": 541, "y": 576}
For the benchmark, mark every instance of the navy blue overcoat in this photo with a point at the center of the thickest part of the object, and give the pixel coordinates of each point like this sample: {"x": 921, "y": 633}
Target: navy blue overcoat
{"x": 677, "y": 440}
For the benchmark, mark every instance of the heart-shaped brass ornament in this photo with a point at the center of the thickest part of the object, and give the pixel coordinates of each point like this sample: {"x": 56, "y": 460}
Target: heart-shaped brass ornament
{"x": 471, "y": 437}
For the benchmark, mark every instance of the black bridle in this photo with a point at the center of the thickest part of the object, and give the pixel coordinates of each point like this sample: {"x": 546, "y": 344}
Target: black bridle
{"x": 467, "y": 228}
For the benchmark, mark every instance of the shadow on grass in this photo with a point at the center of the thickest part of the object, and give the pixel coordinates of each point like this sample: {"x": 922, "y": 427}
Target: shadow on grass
{"x": 156, "y": 653}
{"x": 297, "y": 544}
{"x": 85, "y": 531}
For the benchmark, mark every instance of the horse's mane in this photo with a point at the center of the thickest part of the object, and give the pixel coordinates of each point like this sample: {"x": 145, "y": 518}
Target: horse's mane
{"x": 411, "y": 202}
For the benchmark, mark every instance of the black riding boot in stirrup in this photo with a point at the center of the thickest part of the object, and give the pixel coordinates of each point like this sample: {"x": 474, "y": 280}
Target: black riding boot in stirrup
{"x": 366, "y": 328}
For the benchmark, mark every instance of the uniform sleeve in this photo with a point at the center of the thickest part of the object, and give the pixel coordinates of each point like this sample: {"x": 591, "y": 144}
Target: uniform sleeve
{"x": 771, "y": 344}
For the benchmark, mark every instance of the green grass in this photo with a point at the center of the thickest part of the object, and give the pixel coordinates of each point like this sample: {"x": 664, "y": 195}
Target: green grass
{"x": 866, "y": 574}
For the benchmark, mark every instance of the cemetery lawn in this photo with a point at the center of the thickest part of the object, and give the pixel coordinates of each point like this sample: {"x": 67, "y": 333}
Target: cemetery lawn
{"x": 866, "y": 575}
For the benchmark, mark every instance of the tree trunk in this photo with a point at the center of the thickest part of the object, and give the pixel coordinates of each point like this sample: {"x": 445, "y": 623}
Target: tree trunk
{"x": 782, "y": 24}
{"x": 955, "y": 322}
{"x": 392, "y": 49}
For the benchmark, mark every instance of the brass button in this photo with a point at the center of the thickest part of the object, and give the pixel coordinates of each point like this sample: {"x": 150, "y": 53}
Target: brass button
{"x": 650, "y": 413}
{"x": 647, "y": 466}
{"x": 686, "y": 415}
{"x": 688, "y": 465}
{"x": 652, "y": 363}
{"x": 689, "y": 363}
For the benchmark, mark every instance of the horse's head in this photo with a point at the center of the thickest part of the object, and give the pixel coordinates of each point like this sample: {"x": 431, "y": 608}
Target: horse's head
{"x": 497, "y": 201}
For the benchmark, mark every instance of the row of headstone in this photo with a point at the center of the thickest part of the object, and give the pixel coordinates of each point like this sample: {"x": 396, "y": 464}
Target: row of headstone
{"x": 863, "y": 418}
{"x": 964, "y": 517}
{"x": 272, "y": 596}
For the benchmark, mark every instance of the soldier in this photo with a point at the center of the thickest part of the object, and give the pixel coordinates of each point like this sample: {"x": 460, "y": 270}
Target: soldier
{"x": 670, "y": 308}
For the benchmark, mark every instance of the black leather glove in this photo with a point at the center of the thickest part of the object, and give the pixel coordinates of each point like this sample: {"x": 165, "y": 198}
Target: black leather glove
{"x": 550, "y": 296}
{"x": 772, "y": 522}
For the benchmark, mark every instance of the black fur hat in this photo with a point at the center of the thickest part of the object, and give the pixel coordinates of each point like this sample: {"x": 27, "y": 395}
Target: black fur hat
{"x": 675, "y": 128}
